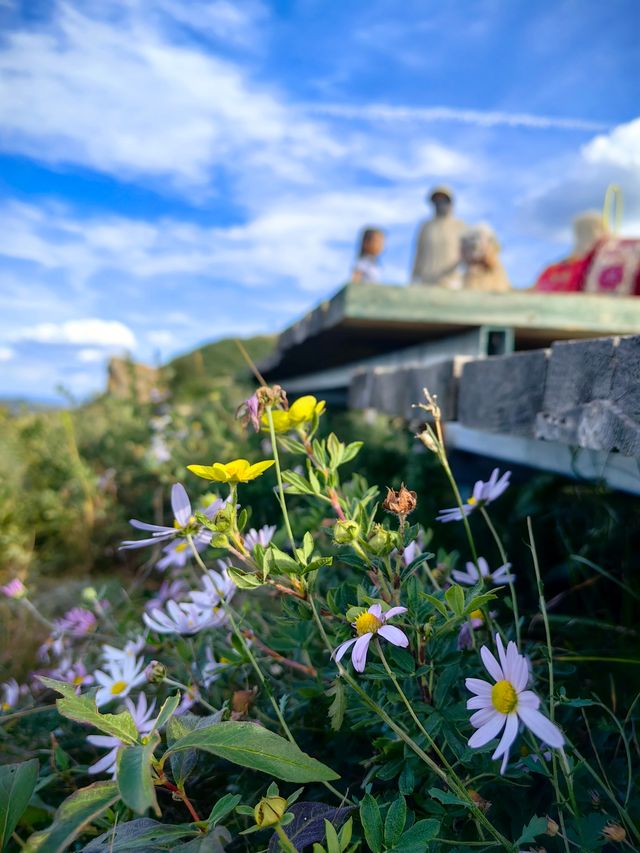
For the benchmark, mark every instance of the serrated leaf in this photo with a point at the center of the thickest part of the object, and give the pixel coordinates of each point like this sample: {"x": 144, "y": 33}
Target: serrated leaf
{"x": 167, "y": 711}
{"x": 134, "y": 777}
{"x": 223, "y": 807}
{"x": 144, "y": 834}
{"x": 535, "y": 827}
{"x": 339, "y": 704}
{"x": 73, "y": 815}
{"x": 371, "y": 821}
{"x": 17, "y": 782}
{"x": 415, "y": 838}
{"x": 250, "y": 745}
{"x": 439, "y": 605}
{"x": 244, "y": 580}
{"x": 395, "y": 821}
{"x": 454, "y": 597}
{"x": 83, "y": 709}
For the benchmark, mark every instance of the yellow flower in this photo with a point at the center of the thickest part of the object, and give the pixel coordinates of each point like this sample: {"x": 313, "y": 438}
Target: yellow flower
{"x": 300, "y": 412}
{"x": 237, "y": 471}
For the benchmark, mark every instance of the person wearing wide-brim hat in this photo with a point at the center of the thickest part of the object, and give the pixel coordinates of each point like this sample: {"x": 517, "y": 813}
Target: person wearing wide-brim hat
{"x": 437, "y": 255}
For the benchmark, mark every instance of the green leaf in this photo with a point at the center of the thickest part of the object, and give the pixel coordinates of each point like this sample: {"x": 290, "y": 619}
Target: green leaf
{"x": 333, "y": 845}
{"x": 83, "y": 709}
{"x": 297, "y": 484}
{"x": 318, "y": 563}
{"x": 446, "y": 798}
{"x": 223, "y": 807}
{"x": 307, "y": 546}
{"x": 166, "y": 712}
{"x": 455, "y": 599}
{"x": 252, "y": 746}
{"x": 535, "y": 827}
{"x": 182, "y": 763}
{"x": 479, "y": 601}
{"x": 143, "y": 833}
{"x": 351, "y": 451}
{"x": 134, "y": 776}
{"x": 74, "y": 814}
{"x": 439, "y": 605}
{"x": 339, "y": 704}
{"x": 17, "y": 782}
{"x": 244, "y": 580}
{"x": 415, "y": 838}
{"x": 395, "y": 821}
{"x": 279, "y": 561}
{"x": 371, "y": 823}
{"x": 345, "y": 834}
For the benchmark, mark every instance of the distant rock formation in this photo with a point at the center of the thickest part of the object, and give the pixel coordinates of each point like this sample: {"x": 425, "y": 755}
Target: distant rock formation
{"x": 128, "y": 379}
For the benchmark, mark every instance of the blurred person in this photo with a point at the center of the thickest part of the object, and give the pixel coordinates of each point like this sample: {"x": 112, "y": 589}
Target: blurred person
{"x": 367, "y": 267}
{"x": 437, "y": 254}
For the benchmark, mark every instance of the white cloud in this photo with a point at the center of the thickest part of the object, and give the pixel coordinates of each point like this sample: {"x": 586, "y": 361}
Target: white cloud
{"x": 90, "y": 355}
{"x": 619, "y": 148}
{"x": 6, "y": 354}
{"x": 479, "y": 118}
{"x": 91, "y": 330}
{"x": 164, "y": 338}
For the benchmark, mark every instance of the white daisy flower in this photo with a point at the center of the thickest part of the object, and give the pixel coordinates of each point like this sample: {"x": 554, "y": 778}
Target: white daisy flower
{"x": 184, "y": 618}
{"x": 142, "y": 714}
{"x": 121, "y": 677}
{"x": 112, "y": 655}
{"x": 506, "y": 704}
{"x": 474, "y": 573}
{"x": 373, "y": 621}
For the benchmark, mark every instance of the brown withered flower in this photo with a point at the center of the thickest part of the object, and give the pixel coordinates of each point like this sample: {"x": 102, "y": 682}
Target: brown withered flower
{"x": 614, "y": 832}
{"x": 401, "y": 503}
{"x": 481, "y": 803}
{"x": 273, "y": 395}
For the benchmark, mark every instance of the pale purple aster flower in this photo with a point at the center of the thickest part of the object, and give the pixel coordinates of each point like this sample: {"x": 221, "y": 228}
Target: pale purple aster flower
{"x": 142, "y": 714}
{"x": 216, "y": 586}
{"x": 189, "y": 698}
{"x": 185, "y": 522}
{"x": 367, "y": 625}
{"x": 10, "y": 694}
{"x": 475, "y": 573}
{"x": 249, "y": 412}
{"x": 506, "y": 704}
{"x": 175, "y": 590}
{"x": 177, "y": 554}
{"x": 14, "y": 589}
{"x": 259, "y": 537}
{"x": 54, "y": 646}
{"x": 184, "y": 618}
{"x": 78, "y": 621}
{"x": 112, "y": 655}
{"x": 119, "y": 679}
{"x": 474, "y": 621}
{"x": 73, "y": 673}
{"x": 212, "y": 670}
{"x": 483, "y": 494}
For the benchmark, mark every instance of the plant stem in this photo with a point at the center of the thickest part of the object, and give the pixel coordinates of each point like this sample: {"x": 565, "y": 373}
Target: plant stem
{"x": 283, "y": 505}
{"x": 452, "y": 782}
{"x": 503, "y": 557}
{"x": 286, "y": 843}
{"x": 203, "y": 702}
{"x": 180, "y": 792}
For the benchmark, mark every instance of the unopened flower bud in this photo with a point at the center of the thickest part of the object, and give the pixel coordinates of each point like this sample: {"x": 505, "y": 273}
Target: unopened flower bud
{"x": 614, "y": 832}
{"x": 401, "y": 503}
{"x": 14, "y": 589}
{"x": 426, "y": 437}
{"x": 155, "y": 672}
{"x": 552, "y": 827}
{"x": 382, "y": 541}
{"x": 269, "y": 811}
{"x": 90, "y": 594}
{"x": 346, "y": 532}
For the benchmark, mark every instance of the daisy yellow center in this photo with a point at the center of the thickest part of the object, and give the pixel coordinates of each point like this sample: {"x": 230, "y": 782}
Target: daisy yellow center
{"x": 367, "y": 623}
{"x": 476, "y": 614}
{"x": 503, "y": 697}
{"x": 118, "y": 687}
{"x": 472, "y": 501}
{"x": 78, "y": 679}
{"x": 182, "y": 546}
{"x": 6, "y": 706}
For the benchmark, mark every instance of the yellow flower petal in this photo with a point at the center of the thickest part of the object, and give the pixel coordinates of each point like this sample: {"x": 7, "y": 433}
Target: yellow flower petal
{"x": 259, "y": 468}
{"x": 204, "y": 471}
{"x": 281, "y": 421}
{"x": 302, "y": 409}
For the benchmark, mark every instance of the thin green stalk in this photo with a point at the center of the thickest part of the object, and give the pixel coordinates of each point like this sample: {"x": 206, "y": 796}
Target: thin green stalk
{"x": 454, "y": 783}
{"x": 245, "y": 647}
{"x": 283, "y": 505}
{"x": 285, "y": 840}
{"x": 503, "y": 557}
{"x": 173, "y": 683}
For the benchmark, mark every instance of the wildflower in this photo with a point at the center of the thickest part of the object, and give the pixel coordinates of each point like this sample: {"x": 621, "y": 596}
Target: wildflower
{"x": 10, "y": 694}
{"x": 269, "y": 811}
{"x": 177, "y": 554}
{"x": 302, "y": 411}
{"x": 185, "y": 618}
{"x": 119, "y": 679}
{"x": 250, "y": 412}
{"x": 237, "y": 471}
{"x": 483, "y": 494}
{"x": 367, "y": 625}
{"x": 73, "y": 673}
{"x": 142, "y": 717}
{"x": 475, "y": 573}
{"x": 506, "y": 703}
{"x": 78, "y": 621}
{"x": 212, "y": 670}
{"x": 614, "y": 832}
{"x": 475, "y": 621}
{"x": 401, "y": 503}
{"x": 217, "y": 586}
{"x": 168, "y": 589}
{"x": 112, "y": 655}
{"x": 184, "y": 523}
{"x": 14, "y": 589}
{"x": 189, "y": 698}
{"x": 259, "y": 537}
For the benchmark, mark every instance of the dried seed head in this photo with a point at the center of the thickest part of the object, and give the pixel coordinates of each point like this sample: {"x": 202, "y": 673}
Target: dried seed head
{"x": 614, "y": 832}
{"x": 272, "y": 395}
{"x": 401, "y": 503}
{"x": 427, "y": 438}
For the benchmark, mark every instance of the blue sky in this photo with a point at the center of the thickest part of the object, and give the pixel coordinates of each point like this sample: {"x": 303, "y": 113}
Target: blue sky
{"x": 173, "y": 172}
